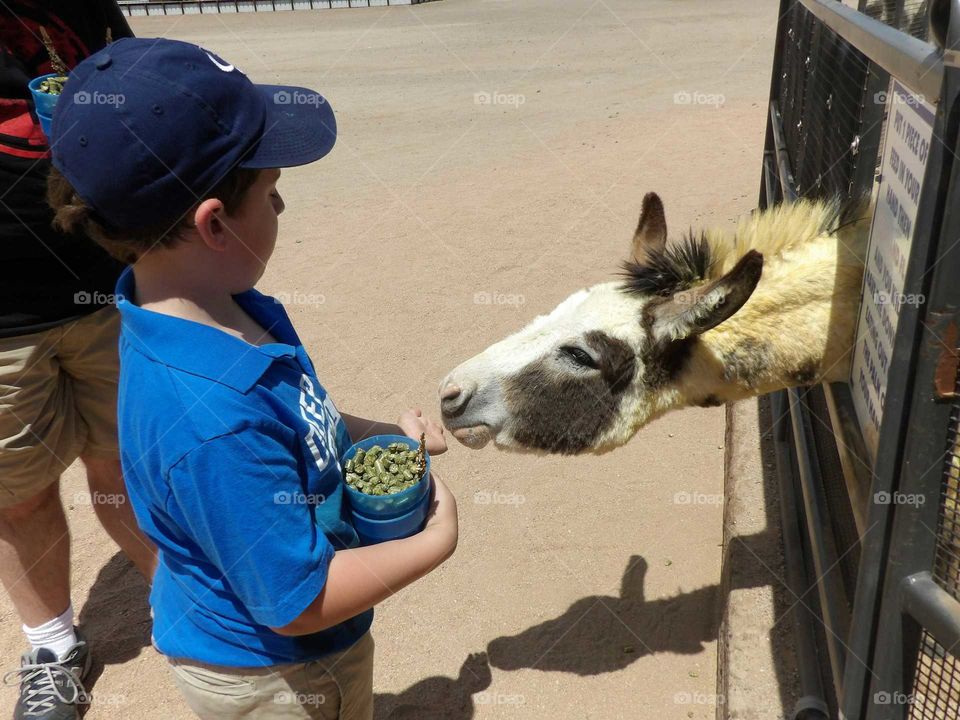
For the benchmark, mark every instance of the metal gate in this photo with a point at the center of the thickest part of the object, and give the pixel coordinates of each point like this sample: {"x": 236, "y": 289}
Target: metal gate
{"x": 877, "y": 577}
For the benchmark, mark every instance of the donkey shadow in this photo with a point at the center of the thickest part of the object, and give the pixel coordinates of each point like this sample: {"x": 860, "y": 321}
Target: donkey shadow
{"x": 605, "y": 633}
{"x": 115, "y": 619}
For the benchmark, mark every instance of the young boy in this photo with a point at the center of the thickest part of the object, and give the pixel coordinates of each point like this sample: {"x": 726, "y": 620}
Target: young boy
{"x": 166, "y": 154}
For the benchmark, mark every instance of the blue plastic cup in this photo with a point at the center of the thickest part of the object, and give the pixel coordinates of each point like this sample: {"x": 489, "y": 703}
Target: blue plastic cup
{"x": 43, "y": 102}
{"x": 378, "y": 518}
{"x": 45, "y": 123}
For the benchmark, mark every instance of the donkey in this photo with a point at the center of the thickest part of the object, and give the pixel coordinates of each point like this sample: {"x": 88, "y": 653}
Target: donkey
{"x": 705, "y": 320}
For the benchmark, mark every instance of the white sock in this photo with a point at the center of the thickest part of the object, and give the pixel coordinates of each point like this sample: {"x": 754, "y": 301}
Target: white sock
{"x": 57, "y": 635}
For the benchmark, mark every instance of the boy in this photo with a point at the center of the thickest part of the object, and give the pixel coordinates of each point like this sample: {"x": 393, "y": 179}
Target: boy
{"x": 230, "y": 446}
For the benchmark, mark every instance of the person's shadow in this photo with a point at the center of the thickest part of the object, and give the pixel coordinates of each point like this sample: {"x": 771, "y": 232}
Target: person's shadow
{"x": 115, "y": 619}
{"x": 438, "y": 698}
{"x": 605, "y": 633}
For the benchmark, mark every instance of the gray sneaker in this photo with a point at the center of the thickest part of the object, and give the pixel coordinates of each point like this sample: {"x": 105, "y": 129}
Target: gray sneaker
{"x": 51, "y": 689}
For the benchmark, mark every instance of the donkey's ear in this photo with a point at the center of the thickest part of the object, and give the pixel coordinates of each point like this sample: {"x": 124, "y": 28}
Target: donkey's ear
{"x": 651, "y": 234}
{"x": 699, "y": 309}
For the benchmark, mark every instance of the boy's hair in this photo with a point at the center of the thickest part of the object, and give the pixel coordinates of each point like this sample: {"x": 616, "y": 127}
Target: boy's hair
{"x": 71, "y": 214}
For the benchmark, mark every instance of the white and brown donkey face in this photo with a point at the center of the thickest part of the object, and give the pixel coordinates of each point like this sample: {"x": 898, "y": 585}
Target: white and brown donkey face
{"x": 607, "y": 360}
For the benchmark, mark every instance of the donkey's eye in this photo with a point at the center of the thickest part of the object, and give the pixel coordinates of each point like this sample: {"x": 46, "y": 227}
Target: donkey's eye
{"x": 579, "y": 356}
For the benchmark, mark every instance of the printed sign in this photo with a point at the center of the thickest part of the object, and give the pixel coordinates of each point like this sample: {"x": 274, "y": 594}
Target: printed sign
{"x": 905, "y": 150}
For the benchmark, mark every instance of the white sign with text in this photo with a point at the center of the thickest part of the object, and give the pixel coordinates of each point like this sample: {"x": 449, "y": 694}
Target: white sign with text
{"x": 905, "y": 149}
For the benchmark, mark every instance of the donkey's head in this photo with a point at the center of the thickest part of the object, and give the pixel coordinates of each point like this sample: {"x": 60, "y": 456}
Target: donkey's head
{"x": 608, "y": 359}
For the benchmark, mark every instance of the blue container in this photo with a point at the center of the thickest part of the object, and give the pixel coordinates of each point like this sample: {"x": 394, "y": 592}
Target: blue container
{"x": 388, "y": 517}
{"x": 45, "y": 123}
{"x": 375, "y": 530}
{"x": 43, "y": 102}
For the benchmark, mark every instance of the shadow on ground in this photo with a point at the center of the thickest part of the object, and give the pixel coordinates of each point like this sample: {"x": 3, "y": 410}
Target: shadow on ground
{"x": 605, "y": 633}
{"x": 597, "y": 634}
{"x": 115, "y": 619}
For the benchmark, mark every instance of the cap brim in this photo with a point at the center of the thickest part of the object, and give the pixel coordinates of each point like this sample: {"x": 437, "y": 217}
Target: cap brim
{"x": 299, "y": 128}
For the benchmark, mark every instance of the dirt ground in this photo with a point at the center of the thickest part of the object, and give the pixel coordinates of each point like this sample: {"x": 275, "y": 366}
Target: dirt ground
{"x": 491, "y": 160}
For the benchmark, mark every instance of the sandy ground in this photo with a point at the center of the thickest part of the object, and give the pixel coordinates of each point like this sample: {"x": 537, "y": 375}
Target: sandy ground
{"x": 582, "y": 588}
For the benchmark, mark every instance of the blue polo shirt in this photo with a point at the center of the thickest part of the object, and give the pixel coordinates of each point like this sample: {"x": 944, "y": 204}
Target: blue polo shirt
{"x": 231, "y": 455}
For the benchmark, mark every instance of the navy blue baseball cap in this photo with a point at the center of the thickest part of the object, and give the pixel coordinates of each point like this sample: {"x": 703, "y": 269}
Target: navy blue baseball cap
{"x": 147, "y": 127}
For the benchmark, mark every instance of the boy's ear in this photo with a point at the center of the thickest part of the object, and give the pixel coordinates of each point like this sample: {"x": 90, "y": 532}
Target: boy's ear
{"x": 207, "y": 221}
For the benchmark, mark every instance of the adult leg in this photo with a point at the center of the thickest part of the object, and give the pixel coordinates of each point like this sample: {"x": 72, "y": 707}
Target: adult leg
{"x": 35, "y": 556}
{"x": 109, "y": 499}
{"x": 90, "y": 359}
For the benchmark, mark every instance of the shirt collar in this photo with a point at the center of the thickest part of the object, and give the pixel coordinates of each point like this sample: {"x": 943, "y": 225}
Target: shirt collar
{"x": 203, "y": 350}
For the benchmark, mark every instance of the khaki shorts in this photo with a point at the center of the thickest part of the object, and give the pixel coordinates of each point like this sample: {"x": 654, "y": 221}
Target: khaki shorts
{"x": 339, "y": 686}
{"x": 58, "y": 401}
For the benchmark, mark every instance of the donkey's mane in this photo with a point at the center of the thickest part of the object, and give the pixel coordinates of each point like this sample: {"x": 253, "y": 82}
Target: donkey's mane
{"x": 670, "y": 269}
{"x": 695, "y": 257}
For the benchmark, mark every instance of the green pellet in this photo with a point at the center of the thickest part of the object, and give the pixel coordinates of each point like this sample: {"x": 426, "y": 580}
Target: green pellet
{"x": 385, "y": 470}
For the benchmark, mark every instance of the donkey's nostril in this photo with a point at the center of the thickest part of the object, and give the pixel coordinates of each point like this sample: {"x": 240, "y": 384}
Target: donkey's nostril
{"x": 449, "y": 391}
{"x": 453, "y": 399}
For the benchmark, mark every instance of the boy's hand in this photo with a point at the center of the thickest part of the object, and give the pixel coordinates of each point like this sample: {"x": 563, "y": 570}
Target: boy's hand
{"x": 412, "y": 423}
{"x": 442, "y": 518}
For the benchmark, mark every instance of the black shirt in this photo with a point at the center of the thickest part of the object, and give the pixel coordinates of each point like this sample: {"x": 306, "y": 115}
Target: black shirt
{"x": 46, "y": 277}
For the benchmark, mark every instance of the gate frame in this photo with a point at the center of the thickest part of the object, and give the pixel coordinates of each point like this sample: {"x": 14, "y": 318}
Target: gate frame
{"x": 873, "y": 648}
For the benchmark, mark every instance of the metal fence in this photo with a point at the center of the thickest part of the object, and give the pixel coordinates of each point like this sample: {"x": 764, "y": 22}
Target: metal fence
{"x": 870, "y": 470}
{"x": 135, "y": 8}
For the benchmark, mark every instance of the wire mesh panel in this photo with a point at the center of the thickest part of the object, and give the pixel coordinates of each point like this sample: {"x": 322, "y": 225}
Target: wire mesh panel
{"x": 822, "y": 99}
{"x": 946, "y": 568}
{"x": 936, "y": 690}
{"x": 909, "y": 16}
